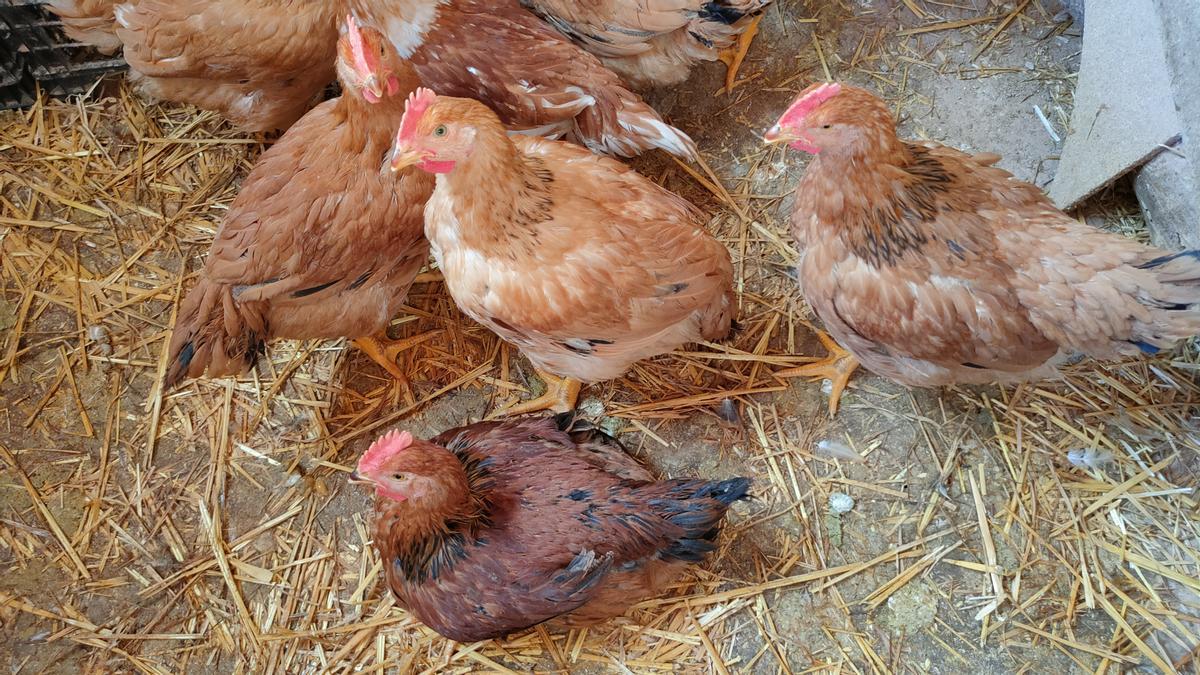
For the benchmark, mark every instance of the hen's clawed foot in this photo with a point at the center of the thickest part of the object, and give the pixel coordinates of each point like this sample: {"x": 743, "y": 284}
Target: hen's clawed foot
{"x": 384, "y": 350}
{"x": 733, "y": 56}
{"x": 561, "y": 394}
{"x": 836, "y": 368}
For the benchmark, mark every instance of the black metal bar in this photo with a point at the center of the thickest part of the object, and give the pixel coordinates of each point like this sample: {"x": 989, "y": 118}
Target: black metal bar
{"x": 34, "y": 52}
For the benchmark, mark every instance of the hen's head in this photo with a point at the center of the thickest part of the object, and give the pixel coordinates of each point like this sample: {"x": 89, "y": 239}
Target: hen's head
{"x": 438, "y": 132}
{"x": 364, "y": 65}
{"x": 835, "y": 118}
{"x": 403, "y": 469}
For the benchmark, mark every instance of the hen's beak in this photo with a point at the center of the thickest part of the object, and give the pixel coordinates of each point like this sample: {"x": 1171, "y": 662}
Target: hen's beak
{"x": 356, "y": 477}
{"x": 373, "y": 85}
{"x": 404, "y": 157}
{"x": 778, "y": 134}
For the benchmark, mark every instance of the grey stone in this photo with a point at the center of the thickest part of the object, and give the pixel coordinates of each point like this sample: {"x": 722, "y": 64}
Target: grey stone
{"x": 1075, "y": 9}
{"x": 1181, "y": 37}
{"x": 1166, "y": 190}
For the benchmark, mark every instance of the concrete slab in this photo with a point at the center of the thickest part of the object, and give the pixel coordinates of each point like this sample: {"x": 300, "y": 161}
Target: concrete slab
{"x": 1124, "y": 109}
{"x": 1167, "y": 192}
{"x": 1181, "y": 41}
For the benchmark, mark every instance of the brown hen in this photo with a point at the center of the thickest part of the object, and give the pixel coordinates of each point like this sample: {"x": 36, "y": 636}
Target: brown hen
{"x": 88, "y": 21}
{"x": 656, "y": 42}
{"x": 534, "y": 78}
{"x": 933, "y": 267}
{"x": 496, "y": 527}
{"x": 322, "y": 241}
{"x": 260, "y": 63}
{"x": 576, "y": 259}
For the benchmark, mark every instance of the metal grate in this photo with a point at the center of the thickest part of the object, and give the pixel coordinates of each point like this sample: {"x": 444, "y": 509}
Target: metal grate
{"x": 33, "y": 51}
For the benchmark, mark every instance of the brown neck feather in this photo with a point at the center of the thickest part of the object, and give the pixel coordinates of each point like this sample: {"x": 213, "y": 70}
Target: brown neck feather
{"x": 370, "y": 126}
{"x": 427, "y": 536}
{"x": 518, "y": 199}
{"x": 887, "y": 199}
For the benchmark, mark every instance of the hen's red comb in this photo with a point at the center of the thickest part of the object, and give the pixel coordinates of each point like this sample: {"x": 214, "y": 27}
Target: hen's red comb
{"x": 363, "y": 61}
{"x": 414, "y": 109}
{"x": 388, "y": 444}
{"x": 809, "y": 102}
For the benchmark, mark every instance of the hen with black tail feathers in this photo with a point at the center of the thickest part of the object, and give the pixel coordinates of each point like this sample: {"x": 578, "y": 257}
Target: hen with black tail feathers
{"x": 933, "y": 267}
{"x": 498, "y": 526}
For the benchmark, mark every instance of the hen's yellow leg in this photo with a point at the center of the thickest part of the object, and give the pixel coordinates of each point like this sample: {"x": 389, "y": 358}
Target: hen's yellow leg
{"x": 561, "y": 394}
{"x": 734, "y": 56}
{"x": 837, "y": 368}
{"x": 384, "y": 350}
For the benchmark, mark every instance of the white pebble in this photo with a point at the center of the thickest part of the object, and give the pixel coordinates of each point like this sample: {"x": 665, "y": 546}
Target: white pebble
{"x": 840, "y": 502}
{"x": 592, "y": 407}
{"x": 827, "y": 387}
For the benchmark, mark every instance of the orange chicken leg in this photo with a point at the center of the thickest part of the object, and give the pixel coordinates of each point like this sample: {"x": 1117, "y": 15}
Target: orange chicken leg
{"x": 384, "y": 350}
{"x": 733, "y": 56}
{"x": 561, "y": 394}
{"x": 836, "y": 368}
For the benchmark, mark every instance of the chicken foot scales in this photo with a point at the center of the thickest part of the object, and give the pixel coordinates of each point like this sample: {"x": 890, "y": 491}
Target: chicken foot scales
{"x": 561, "y": 395}
{"x": 837, "y": 368}
{"x": 384, "y": 350}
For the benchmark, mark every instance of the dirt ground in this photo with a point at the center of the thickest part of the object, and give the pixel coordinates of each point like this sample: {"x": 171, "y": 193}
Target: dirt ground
{"x": 212, "y": 529}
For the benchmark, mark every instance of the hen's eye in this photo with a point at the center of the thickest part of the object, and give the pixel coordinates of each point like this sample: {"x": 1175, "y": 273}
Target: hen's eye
{"x": 826, "y": 126}
{"x": 398, "y": 476}
{"x": 440, "y": 131}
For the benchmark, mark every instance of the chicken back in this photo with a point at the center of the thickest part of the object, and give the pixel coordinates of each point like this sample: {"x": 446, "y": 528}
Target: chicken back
{"x": 934, "y": 267}
{"x": 322, "y": 241}
{"x": 88, "y": 21}
{"x": 260, "y": 63}
{"x": 650, "y": 42}
{"x": 498, "y": 526}
{"x": 578, "y": 260}
{"x": 536, "y": 80}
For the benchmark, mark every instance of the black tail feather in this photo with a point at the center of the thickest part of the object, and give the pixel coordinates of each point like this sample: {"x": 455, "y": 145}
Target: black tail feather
{"x": 698, "y": 507}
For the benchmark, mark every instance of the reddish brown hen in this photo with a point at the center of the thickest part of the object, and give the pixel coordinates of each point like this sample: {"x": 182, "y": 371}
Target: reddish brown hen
{"x": 496, "y": 527}
{"x": 535, "y": 79}
{"x": 576, "y": 259}
{"x": 656, "y": 42}
{"x": 323, "y": 241}
{"x": 933, "y": 267}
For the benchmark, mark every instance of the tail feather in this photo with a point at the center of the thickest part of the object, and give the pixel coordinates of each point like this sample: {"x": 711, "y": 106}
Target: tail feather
{"x": 719, "y": 22}
{"x": 214, "y": 335}
{"x": 1174, "y": 302}
{"x": 628, "y": 127}
{"x": 88, "y": 21}
{"x": 698, "y": 507}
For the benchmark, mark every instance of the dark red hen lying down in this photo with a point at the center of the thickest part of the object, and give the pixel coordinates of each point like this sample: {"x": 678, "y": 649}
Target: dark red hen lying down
{"x": 499, "y": 526}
